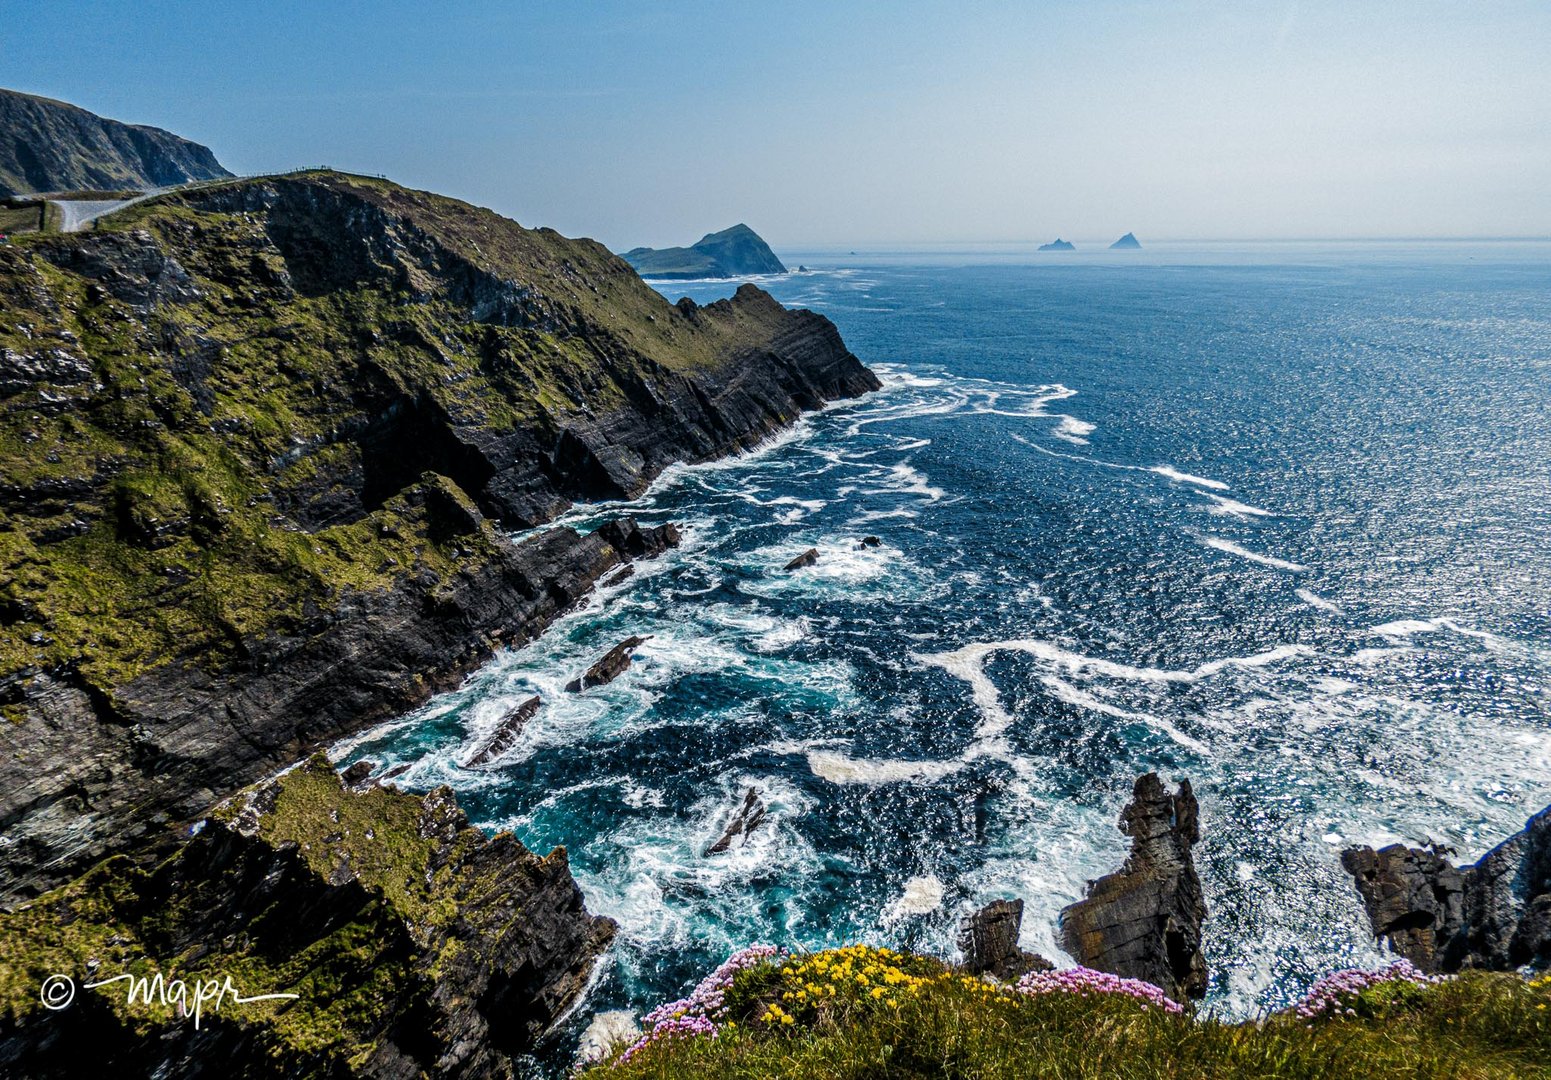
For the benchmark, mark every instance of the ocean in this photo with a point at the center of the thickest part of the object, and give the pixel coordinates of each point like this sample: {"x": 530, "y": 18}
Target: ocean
{"x": 1275, "y": 518}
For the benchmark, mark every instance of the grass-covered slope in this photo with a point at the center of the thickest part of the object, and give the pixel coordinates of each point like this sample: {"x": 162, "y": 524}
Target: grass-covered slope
{"x": 48, "y": 145}
{"x": 255, "y": 441}
{"x": 861, "y": 1012}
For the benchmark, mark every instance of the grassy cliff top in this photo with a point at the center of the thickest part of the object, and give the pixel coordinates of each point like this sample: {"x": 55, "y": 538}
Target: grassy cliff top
{"x": 867, "y": 1012}
{"x": 222, "y": 408}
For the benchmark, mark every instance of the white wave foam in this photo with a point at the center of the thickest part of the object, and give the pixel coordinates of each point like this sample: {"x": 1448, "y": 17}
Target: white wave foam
{"x": 840, "y": 769}
{"x": 1223, "y": 505}
{"x": 607, "y": 1030}
{"x": 922, "y": 896}
{"x": 1074, "y": 430}
{"x": 1186, "y": 478}
{"x": 1403, "y": 629}
{"x": 1314, "y": 600}
{"x": 1242, "y": 552}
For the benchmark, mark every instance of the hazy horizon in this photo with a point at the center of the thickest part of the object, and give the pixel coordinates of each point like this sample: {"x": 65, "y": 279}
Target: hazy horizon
{"x": 861, "y": 124}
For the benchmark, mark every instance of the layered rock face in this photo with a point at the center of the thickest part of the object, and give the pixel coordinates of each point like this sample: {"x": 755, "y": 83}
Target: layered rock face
{"x": 260, "y": 449}
{"x": 1494, "y": 914}
{"x": 415, "y": 945}
{"x": 988, "y": 938}
{"x": 1144, "y": 920}
{"x": 48, "y": 145}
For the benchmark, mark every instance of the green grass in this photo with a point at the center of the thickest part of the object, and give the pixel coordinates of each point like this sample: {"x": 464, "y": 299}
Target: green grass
{"x": 1477, "y": 1025}
{"x": 21, "y": 219}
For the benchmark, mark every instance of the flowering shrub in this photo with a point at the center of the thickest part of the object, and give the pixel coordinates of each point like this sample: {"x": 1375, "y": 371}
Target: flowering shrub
{"x": 1355, "y": 992}
{"x": 1081, "y": 980}
{"x": 857, "y": 975}
{"x": 699, "y": 1013}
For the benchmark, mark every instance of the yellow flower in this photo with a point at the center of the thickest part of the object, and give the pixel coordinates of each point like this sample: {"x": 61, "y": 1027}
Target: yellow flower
{"x": 787, "y": 1019}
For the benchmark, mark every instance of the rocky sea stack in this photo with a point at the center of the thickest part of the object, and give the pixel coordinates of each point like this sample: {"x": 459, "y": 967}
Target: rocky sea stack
{"x": 1144, "y": 920}
{"x": 1128, "y": 242}
{"x": 48, "y": 145}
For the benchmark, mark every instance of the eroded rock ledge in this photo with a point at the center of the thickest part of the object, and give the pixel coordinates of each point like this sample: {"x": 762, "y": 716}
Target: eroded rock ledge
{"x": 415, "y": 944}
{"x": 1493, "y": 914}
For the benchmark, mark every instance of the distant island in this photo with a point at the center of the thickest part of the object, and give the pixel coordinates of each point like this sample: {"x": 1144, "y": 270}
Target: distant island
{"x": 734, "y": 252}
{"x": 1128, "y": 242}
{"x": 1058, "y": 245}
{"x": 48, "y": 145}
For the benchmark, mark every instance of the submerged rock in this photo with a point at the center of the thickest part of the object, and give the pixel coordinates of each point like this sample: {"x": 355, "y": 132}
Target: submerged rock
{"x": 870, "y": 542}
{"x": 744, "y": 821}
{"x": 505, "y": 735}
{"x": 609, "y": 667}
{"x": 416, "y": 945}
{"x": 1144, "y": 920}
{"x": 1495, "y": 913}
{"x": 807, "y": 558}
{"x": 988, "y": 938}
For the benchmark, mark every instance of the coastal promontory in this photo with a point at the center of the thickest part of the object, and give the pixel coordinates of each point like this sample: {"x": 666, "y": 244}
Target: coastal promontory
{"x": 735, "y": 252}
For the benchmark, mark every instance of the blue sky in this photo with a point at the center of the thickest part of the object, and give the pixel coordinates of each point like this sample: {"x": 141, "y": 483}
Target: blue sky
{"x": 855, "y": 123}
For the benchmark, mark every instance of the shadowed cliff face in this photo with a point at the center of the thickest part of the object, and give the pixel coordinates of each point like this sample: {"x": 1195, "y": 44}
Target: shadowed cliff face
{"x": 414, "y": 944}
{"x": 259, "y": 449}
{"x": 48, "y": 145}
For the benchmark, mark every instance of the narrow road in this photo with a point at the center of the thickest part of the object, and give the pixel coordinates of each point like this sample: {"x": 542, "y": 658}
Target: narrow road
{"x": 77, "y": 214}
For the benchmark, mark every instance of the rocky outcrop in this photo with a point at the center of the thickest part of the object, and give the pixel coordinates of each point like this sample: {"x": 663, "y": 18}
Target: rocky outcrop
{"x": 1144, "y": 921}
{"x": 988, "y": 938}
{"x": 505, "y": 735}
{"x": 270, "y": 439}
{"x": 735, "y": 252}
{"x": 48, "y": 145}
{"x": 807, "y": 558}
{"x": 1494, "y": 913}
{"x": 743, "y": 822}
{"x": 608, "y": 667}
{"x": 1128, "y": 242}
{"x": 415, "y": 945}
{"x": 1058, "y": 245}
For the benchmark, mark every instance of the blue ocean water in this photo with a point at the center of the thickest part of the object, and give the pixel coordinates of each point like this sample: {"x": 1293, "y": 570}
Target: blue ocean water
{"x": 1273, "y": 518}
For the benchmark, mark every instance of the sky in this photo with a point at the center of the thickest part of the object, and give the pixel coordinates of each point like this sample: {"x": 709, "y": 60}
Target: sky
{"x": 854, "y": 123}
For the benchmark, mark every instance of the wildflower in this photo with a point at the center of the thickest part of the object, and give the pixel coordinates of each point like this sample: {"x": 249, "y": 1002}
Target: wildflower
{"x": 1084, "y": 981}
{"x": 1336, "y": 994}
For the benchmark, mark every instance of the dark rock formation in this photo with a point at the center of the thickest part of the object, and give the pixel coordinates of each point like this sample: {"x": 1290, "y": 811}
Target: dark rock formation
{"x": 1128, "y": 242}
{"x": 272, "y": 439}
{"x": 870, "y": 542}
{"x": 988, "y": 938}
{"x": 357, "y": 774}
{"x": 416, "y": 945}
{"x": 505, "y": 735}
{"x": 48, "y": 145}
{"x": 734, "y": 252}
{"x": 1058, "y": 245}
{"x": 610, "y": 666}
{"x": 807, "y": 558}
{"x": 1495, "y": 913}
{"x": 1144, "y": 921}
{"x": 744, "y": 821}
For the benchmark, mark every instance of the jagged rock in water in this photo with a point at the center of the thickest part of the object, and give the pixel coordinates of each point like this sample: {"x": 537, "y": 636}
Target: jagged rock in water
{"x": 505, "y": 735}
{"x": 417, "y": 945}
{"x": 744, "y": 821}
{"x": 807, "y": 558}
{"x": 358, "y": 773}
{"x": 1144, "y": 921}
{"x": 622, "y": 574}
{"x": 609, "y": 667}
{"x": 1128, "y": 242}
{"x": 870, "y": 542}
{"x": 1058, "y": 245}
{"x": 1495, "y": 913}
{"x": 988, "y": 938}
